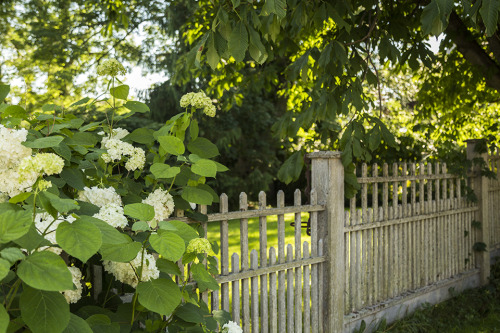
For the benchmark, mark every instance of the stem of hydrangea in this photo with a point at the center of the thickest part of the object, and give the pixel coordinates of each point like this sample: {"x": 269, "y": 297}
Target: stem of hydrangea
{"x": 114, "y": 104}
{"x": 13, "y": 289}
{"x": 107, "y": 292}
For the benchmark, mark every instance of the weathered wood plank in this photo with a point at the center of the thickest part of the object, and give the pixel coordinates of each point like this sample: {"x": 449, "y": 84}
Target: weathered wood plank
{"x": 281, "y": 260}
{"x": 273, "y": 304}
{"x": 306, "y": 293}
{"x": 235, "y": 308}
{"x": 298, "y": 270}
{"x": 314, "y": 268}
{"x": 224, "y": 252}
{"x": 290, "y": 291}
{"x": 255, "y": 213}
{"x": 264, "y": 311}
{"x": 245, "y": 283}
{"x": 269, "y": 269}
{"x": 255, "y": 293}
{"x": 215, "y": 294}
{"x": 410, "y": 219}
{"x": 320, "y": 286}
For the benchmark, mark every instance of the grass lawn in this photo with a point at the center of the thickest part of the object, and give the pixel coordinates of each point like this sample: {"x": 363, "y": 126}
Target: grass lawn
{"x": 253, "y": 233}
{"x": 474, "y": 311}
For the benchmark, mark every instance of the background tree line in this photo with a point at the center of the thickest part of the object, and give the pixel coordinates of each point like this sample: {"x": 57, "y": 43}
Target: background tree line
{"x": 288, "y": 76}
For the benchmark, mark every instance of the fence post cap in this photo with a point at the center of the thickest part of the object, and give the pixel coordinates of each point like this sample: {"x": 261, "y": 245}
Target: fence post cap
{"x": 324, "y": 154}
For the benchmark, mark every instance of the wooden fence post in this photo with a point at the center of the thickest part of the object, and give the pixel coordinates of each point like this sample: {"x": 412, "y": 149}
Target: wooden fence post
{"x": 327, "y": 175}
{"x": 480, "y": 184}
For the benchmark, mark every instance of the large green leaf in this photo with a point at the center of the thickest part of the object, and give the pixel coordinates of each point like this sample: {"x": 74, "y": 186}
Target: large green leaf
{"x": 13, "y": 225}
{"x": 32, "y": 239}
{"x": 120, "y": 92}
{"x": 197, "y": 196}
{"x": 45, "y": 271}
{"x": 81, "y": 239}
{"x": 124, "y": 252}
{"x": 5, "y": 266}
{"x": 44, "y": 311}
{"x": 15, "y": 111}
{"x": 489, "y": 14}
{"x": 203, "y": 278}
{"x": 168, "y": 244}
{"x": 205, "y": 168}
{"x": 190, "y": 313}
{"x": 172, "y": 145}
{"x": 45, "y": 142}
{"x": 277, "y": 7}
{"x": 431, "y": 19}
{"x": 109, "y": 234}
{"x": 213, "y": 57}
{"x": 160, "y": 170}
{"x": 77, "y": 325}
{"x": 135, "y": 106}
{"x": 140, "y": 211}
{"x": 12, "y": 254}
{"x": 4, "y": 318}
{"x": 61, "y": 205}
{"x": 101, "y": 323}
{"x": 4, "y": 91}
{"x": 203, "y": 148}
{"x": 74, "y": 178}
{"x": 184, "y": 230}
{"x": 291, "y": 169}
{"x": 141, "y": 135}
{"x": 161, "y": 296}
{"x": 238, "y": 42}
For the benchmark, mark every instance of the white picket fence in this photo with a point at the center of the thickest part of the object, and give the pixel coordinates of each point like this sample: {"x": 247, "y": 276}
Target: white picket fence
{"x": 406, "y": 238}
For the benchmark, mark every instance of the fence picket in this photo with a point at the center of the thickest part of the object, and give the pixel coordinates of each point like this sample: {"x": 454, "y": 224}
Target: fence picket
{"x": 273, "y": 306}
{"x": 235, "y": 286}
{"x": 245, "y": 300}
{"x": 290, "y": 291}
{"x": 320, "y": 285}
{"x": 255, "y": 292}
{"x": 314, "y": 268}
{"x": 281, "y": 259}
{"x": 306, "y": 291}
{"x": 298, "y": 270}
{"x": 224, "y": 253}
{"x": 264, "y": 311}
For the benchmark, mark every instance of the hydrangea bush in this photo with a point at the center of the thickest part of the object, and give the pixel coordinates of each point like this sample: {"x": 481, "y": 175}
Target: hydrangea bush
{"x": 81, "y": 198}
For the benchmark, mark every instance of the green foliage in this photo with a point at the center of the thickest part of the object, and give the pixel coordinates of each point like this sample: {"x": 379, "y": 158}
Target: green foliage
{"x": 54, "y": 228}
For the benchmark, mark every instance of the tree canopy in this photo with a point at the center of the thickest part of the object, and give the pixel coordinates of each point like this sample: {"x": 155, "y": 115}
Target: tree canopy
{"x": 332, "y": 65}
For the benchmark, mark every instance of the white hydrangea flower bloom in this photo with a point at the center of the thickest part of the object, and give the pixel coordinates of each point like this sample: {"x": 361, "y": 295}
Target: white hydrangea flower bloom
{"x": 199, "y": 245}
{"x": 100, "y": 196}
{"x": 126, "y": 272}
{"x": 199, "y": 101}
{"x": 4, "y": 197}
{"x": 73, "y": 296}
{"x": 117, "y": 133}
{"x": 11, "y": 184}
{"x": 162, "y": 202}
{"x": 117, "y": 149}
{"x": 232, "y": 327}
{"x": 111, "y": 67}
{"x": 11, "y": 149}
{"x": 112, "y": 214}
{"x": 137, "y": 160}
{"x": 32, "y": 167}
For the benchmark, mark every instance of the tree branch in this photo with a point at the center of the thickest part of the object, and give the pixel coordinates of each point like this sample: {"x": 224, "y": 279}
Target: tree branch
{"x": 472, "y": 51}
